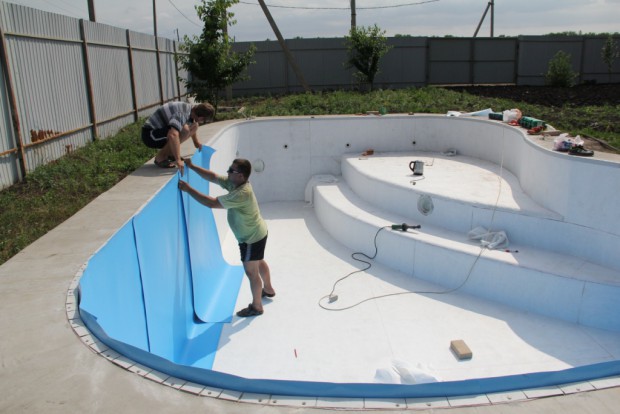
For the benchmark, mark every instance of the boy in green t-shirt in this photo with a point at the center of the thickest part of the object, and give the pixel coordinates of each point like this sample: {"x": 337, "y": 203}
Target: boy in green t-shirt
{"x": 245, "y": 221}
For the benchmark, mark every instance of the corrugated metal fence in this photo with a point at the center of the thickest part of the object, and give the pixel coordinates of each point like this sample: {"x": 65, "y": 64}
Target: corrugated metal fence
{"x": 67, "y": 81}
{"x": 419, "y": 61}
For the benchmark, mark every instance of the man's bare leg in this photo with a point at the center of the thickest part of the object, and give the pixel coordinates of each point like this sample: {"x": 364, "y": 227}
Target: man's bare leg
{"x": 265, "y": 275}
{"x": 168, "y": 150}
{"x": 256, "y": 284}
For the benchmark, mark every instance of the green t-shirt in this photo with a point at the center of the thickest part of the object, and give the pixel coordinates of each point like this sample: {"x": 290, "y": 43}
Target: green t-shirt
{"x": 244, "y": 216}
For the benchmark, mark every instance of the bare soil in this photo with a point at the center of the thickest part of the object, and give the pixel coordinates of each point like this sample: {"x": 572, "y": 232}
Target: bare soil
{"x": 577, "y": 96}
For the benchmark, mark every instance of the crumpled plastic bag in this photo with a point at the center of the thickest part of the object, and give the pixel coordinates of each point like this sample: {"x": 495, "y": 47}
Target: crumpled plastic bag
{"x": 489, "y": 239}
{"x": 564, "y": 143}
{"x": 401, "y": 372}
{"x": 513, "y": 114}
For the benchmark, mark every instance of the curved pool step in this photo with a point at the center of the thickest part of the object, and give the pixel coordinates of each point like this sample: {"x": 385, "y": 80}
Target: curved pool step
{"x": 532, "y": 279}
{"x": 467, "y": 192}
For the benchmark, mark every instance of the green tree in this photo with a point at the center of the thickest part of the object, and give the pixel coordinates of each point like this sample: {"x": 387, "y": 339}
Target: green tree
{"x": 610, "y": 53}
{"x": 209, "y": 59}
{"x": 366, "y": 46}
{"x": 560, "y": 71}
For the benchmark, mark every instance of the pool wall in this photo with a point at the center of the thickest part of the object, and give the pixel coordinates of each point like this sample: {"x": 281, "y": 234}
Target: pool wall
{"x": 581, "y": 192}
{"x": 137, "y": 291}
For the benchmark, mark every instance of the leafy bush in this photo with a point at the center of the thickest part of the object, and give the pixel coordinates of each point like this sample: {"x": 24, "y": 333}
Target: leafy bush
{"x": 610, "y": 53}
{"x": 366, "y": 46}
{"x": 560, "y": 71}
{"x": 210, "y": 57}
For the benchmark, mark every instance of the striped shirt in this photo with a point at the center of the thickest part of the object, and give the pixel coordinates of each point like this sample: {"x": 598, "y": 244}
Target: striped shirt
{"x": 172, "y": 114}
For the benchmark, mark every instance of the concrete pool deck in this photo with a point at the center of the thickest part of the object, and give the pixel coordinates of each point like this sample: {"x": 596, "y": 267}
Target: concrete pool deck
{"x": 46, "y": 368}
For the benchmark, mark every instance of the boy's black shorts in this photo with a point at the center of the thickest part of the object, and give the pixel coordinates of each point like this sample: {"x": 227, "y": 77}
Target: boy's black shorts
{"x": 155, "y": 138}
{"x": 253, "y": 251}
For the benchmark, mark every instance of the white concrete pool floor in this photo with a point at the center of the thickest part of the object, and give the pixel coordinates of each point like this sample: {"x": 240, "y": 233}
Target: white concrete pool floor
{"x": 297, "y": 339}
{"x": 45, "y": 367}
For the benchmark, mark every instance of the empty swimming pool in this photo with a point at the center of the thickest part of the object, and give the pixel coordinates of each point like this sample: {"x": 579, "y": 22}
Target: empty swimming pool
{"x": 162, "y": 291}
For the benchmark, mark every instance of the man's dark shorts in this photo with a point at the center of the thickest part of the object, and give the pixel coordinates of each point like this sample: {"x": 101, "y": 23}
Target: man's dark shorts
{"x": 253, "y": 251}
{"x": 155, "y": 138}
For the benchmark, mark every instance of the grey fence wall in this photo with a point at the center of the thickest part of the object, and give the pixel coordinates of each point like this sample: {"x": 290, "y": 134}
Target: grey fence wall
{"x": 419, "y": 61}
{"x": 67, "y": 81}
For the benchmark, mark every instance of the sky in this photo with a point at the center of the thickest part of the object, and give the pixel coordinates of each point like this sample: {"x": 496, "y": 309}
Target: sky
{"x": 332, "y": 18}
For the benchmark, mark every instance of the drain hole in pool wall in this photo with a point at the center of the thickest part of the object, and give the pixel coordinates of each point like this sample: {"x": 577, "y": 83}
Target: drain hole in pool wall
{"x": 425, "y": 205}
{"x": 259, "y": 165}
{"x": 285, "y": 146}
{"x": 347, "y": 145}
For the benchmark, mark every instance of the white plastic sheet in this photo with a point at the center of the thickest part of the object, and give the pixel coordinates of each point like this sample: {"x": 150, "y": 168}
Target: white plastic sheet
{"x": 489, "y": 239}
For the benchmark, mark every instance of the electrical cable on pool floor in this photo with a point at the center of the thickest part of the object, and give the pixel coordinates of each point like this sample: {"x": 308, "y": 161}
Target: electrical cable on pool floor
{"x": 333, "y": 298}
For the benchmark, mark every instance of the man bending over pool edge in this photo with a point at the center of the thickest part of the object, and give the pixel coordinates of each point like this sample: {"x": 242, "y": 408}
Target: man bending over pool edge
{"x": 245, "y": 221}
{"x": 172, "y": 124}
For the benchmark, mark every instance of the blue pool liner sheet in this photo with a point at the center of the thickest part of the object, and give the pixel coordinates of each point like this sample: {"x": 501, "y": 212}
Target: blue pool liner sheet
{"x": 161, "y": 284}
{"x": 216, "y": 283}
{"x": 111, "y": 290}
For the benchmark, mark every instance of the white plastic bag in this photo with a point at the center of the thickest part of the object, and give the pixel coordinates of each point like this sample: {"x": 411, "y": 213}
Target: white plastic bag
{"x": 509, "y": 116}
{"x": 489, "y": 239}
{"x": 401, "y": 372}
{"x": 412, "y": 375}
{"x": 577, "y": 141}
{"x": 513, "y": 114}
{"x": 494, "y": 240}
{"x": 563, "y": 142}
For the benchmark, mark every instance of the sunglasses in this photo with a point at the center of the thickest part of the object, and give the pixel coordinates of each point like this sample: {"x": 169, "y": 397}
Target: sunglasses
{"x": 231, "y": 171}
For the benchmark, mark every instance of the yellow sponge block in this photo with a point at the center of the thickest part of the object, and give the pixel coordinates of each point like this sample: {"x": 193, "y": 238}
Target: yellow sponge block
{"x": 460, "y": 349}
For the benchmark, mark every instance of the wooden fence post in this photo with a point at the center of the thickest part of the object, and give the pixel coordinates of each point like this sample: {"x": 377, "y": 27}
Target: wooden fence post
{"x": 89, "y": 82}
{"x": 132, "y": 77}
{"x": 159, "y": 79}
{"x": 21, "y": 156}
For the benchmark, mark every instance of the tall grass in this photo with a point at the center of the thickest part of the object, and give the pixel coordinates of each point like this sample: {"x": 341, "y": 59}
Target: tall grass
{"x": 56, "y": 191}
